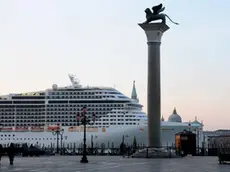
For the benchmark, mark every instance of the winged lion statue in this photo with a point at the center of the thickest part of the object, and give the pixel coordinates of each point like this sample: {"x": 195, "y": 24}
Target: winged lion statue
{"x": 157, "y": 15}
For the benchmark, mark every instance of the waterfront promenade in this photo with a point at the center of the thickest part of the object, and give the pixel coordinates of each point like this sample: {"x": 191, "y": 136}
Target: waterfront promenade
{"x": 113, "y": 164}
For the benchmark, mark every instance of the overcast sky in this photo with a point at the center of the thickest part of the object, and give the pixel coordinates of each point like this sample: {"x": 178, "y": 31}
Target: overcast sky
{"x": 41, "y": 41}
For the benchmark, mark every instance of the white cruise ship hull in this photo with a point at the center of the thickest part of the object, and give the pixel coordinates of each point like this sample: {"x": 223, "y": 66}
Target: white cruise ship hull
{"x": 73, "y": 136}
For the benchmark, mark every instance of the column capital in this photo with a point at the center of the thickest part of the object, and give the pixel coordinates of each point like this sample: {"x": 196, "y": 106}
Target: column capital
{"x": 154, "y": 31}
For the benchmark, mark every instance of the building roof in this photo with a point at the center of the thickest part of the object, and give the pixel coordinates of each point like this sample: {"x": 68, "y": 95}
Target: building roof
{"x": 174, "y": 117}
{"x": 134, "y": 92}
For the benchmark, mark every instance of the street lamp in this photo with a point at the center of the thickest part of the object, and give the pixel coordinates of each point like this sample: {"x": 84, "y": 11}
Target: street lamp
{"x": 58, "y": 132}
{"x": 84, "y": 121}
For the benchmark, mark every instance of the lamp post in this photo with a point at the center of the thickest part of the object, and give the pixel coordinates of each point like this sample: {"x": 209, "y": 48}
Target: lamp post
{"x": 85, "y": 120}
{"x": 58, "y": 132}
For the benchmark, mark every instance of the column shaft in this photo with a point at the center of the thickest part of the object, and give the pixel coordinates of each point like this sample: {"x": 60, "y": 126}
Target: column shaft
{"x": 154, "y": 94}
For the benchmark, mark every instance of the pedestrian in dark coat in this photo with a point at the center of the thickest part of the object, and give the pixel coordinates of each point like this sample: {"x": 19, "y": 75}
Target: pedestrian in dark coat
{"x": 1, "y": 152}
{"x": 11, "y": 152}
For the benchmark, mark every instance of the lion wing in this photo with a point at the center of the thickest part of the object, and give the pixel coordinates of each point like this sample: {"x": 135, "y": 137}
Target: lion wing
{"x": 162, "y": 9}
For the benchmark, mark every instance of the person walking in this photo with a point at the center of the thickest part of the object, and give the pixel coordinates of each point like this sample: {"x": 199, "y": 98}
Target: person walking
{"x": 1, "y": 152}
{"x": 11, "y": 152}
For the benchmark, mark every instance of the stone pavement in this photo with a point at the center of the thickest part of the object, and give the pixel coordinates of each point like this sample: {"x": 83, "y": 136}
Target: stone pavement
{"x": 112, "y": 164}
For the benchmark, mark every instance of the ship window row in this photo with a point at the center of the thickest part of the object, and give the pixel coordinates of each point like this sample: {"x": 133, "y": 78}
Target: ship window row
{"x": 130, "y": 116}
{"x": 9, "y": 135}
{"x": 69, "y": 116}
{"x": 21, "y": 122}
{"x": 21, "y": 117}
{"x": 59, "y": 107}
{"x": 118, "y": 112}
{"x": 115, "y": 124}
{"x": 28, "y": 138}
{"x": 82, "y": 105}
{"x": 74, "y": 93}
{"x": 12, "y": 107}
{"x": 8, "y": 115}
{"x": 138, "y": 113}
{"x": 125, "y": 115}
{"x": 60, "y": 120}
{"x": 41, "y": 124}
{"x": 56, "y": 111}
{"x": 22, "y": 125}
{"x": 75, "y": 113}
{"x": 125, "y": 119}
{"x": 118, "y": 115}
{"x": 74, "y": 97}
{"x": 79, "y": 109}
{"x": 87, "y": 105}
{"x": 21, "y": 109}
{"x": 123, "y": 97}
{"x": 48, "y": 116}
{"x": 79, "y": 97}
{"x": 54, "y": 116}
{"x": 25, "y": 113}
{"x": 24, "y": 109}
{"x": 118, "y": 120}
{"x": 33, "y": 103}
{"x": 25, "y": 120}
{"x": 80, "y": 93}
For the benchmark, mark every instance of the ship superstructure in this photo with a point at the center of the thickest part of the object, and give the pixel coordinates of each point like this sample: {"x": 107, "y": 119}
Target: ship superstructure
{"x": 31, "y": 117}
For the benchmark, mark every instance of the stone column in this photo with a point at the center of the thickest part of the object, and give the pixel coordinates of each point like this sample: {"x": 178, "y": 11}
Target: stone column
{"x": 154, "y": 32}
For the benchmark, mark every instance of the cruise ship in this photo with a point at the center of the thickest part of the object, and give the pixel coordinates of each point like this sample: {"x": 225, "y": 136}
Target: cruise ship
{"x": 35, "y": 116}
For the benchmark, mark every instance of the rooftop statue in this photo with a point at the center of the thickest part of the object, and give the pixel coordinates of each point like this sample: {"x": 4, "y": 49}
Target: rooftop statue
{"x": 157, "y": 15}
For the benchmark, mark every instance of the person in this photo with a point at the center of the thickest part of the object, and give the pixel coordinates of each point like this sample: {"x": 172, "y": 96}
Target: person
{"x": 10, "y": 152}
{"x": 128, "y": 151}
{"x": 1, "y": 152}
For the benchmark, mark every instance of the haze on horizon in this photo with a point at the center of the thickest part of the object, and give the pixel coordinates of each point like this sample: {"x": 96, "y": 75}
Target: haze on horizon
{"x": 100, "y": 41}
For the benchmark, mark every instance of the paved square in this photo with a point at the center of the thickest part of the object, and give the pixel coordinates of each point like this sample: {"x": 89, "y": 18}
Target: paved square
{"x": 113, "y": 164}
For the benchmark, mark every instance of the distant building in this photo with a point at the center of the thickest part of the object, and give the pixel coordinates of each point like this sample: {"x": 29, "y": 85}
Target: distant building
{"x": 175, "y": 125}
{"x": 211, "y": 137}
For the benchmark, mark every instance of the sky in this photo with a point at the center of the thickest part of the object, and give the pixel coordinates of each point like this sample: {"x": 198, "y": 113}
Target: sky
{"x": 42, "y": 41}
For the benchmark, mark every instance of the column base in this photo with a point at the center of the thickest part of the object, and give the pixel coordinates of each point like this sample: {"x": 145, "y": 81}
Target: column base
{"x": 84, "y": 159}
